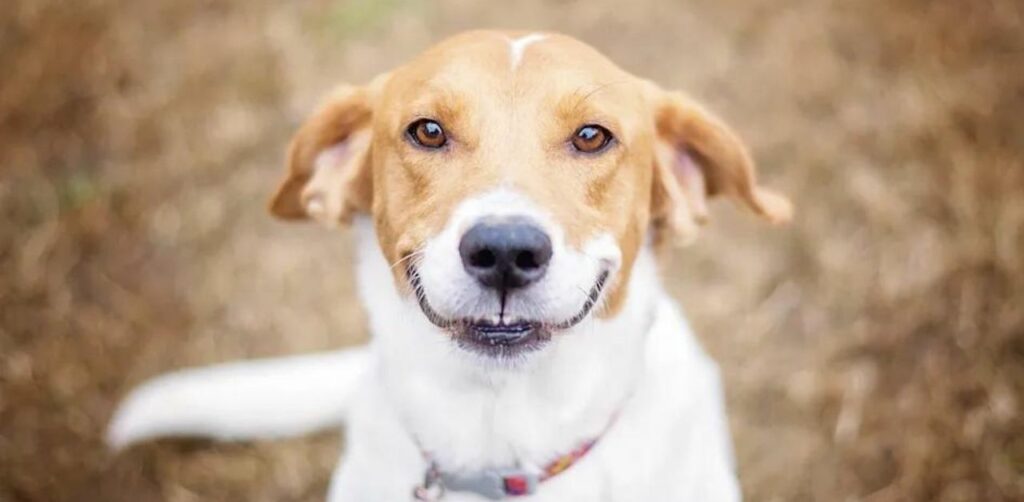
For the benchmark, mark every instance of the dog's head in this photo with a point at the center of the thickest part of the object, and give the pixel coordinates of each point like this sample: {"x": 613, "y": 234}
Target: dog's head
{"x": 513, "y": 178}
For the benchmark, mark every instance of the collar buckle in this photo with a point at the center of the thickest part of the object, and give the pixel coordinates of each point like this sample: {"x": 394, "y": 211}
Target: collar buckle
{"x": 494, "y": 484}
{"x": 432, "y": 488}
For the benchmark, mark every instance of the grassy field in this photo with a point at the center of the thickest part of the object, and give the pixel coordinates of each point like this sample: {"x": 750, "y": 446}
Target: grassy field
{"x": 873, "y": 350}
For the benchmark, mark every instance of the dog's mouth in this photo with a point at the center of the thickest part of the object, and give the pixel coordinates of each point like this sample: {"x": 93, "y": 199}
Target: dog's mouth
{"x": 507, "y": 337}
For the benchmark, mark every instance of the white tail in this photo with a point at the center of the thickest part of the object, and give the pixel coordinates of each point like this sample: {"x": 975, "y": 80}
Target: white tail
{"x": 251, "y": 399}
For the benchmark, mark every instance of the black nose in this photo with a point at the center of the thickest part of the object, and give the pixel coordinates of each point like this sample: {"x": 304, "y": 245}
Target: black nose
{"x": 505, "y": 255}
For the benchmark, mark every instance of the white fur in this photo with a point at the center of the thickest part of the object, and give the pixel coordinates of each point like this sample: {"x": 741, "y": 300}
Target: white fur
{"x": 670, "y": 441}
{"x": 268, "y": 398}
{"x": 517, "y": 47}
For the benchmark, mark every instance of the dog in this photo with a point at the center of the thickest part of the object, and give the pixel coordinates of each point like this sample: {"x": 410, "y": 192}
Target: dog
{"x": 511, "y": 193}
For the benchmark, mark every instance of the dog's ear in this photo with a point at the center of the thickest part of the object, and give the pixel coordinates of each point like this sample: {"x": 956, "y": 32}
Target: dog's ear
{"x": 328, "y": 174}
{"x": 697, "y": 156}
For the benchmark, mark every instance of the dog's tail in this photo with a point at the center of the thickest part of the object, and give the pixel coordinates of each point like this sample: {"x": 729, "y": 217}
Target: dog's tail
{"x": 253, "y": 399}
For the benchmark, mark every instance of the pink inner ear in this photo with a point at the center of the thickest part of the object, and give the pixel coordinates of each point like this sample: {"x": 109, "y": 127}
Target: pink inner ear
{"x": 330, "y": 156}
{"x": 322, "y": 196}
{"x": 691, "y": 178}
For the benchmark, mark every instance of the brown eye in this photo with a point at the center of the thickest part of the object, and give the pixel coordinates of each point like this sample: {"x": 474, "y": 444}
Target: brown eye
{"x": 427, "y": 133}
{"x": 591, "y": 138}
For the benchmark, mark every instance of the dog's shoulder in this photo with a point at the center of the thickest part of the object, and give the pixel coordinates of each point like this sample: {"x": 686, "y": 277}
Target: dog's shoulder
{"x": 672, "y": 345}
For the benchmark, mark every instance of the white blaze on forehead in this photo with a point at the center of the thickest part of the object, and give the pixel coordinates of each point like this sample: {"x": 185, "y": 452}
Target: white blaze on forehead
{"x": 518, "y": 46}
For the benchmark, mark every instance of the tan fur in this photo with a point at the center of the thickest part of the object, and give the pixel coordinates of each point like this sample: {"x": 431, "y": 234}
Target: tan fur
{"x": 691, "y": 136}
{"x": 511, "y": 127}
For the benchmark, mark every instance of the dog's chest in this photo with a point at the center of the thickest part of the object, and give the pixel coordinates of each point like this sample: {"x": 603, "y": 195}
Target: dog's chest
{"x": 669, "y": 441}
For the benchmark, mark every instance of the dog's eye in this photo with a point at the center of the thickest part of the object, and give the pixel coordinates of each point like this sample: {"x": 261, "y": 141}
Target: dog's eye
{"x": 591, "y": 138}
{"x": 427, "y": 133}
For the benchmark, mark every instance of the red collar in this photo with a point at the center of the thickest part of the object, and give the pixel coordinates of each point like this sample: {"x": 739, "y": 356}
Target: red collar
{"x": 498, "y": 484}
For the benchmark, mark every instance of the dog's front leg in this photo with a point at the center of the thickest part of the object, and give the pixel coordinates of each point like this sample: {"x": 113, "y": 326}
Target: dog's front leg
{"x": 380, "y": 460}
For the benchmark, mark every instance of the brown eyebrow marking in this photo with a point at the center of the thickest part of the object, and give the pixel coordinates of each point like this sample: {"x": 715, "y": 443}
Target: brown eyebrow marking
{"x": 594, "y": 91}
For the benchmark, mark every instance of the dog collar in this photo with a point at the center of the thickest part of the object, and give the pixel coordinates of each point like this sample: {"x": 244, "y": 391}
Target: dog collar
{"x": 497, "y": 484}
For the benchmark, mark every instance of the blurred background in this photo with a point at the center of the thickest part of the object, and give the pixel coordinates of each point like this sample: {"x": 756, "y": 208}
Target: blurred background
{"x": 873, "y": 350}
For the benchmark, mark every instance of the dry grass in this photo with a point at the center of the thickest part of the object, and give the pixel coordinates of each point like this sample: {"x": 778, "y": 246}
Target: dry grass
{"x": 873, "y": 350}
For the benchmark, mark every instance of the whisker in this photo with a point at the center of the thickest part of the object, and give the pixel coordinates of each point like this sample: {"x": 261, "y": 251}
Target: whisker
{"x": 413, "y": 255}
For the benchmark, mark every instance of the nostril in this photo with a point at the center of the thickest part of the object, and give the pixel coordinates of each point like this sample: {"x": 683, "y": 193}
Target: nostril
{"x": 505, "y": 254}
{"x": 526, "y": 260}
{"x": 484, "y": 258}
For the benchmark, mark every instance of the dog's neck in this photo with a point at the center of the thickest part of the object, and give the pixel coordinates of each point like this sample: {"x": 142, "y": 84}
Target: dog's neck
{"x": 470, "y": 413}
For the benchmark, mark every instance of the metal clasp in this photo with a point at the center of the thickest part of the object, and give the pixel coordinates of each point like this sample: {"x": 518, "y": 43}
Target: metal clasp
{"x": 494, "y": 484}
{"x": 432, "y": 488}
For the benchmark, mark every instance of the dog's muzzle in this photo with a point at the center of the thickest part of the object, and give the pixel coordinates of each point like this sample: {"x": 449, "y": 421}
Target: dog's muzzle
{"x": 506, "y": 259}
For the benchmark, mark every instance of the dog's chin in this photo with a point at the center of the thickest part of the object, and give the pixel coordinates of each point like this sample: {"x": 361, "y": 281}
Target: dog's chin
{"x": 506, "y": 339}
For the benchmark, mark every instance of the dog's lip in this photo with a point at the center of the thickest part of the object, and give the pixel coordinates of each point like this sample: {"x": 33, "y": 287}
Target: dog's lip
{"x": 503, "y": 340}
{"x": 518, "y": 326}
{"x": 488, "y": 327}
{"x": 421, "y": 297}
{"x": 592, "y": 297}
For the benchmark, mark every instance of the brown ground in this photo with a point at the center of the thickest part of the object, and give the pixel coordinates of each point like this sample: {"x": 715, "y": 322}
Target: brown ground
{"x": 873, "y": 350}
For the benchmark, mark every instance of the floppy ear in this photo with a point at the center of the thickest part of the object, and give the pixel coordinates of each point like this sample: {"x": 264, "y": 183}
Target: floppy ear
{"x": 328, "y": 174}
{"x": 697, "y": 156}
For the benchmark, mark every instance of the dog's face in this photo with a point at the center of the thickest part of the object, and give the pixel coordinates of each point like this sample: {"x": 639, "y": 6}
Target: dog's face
{"x": 513, "y": 179}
